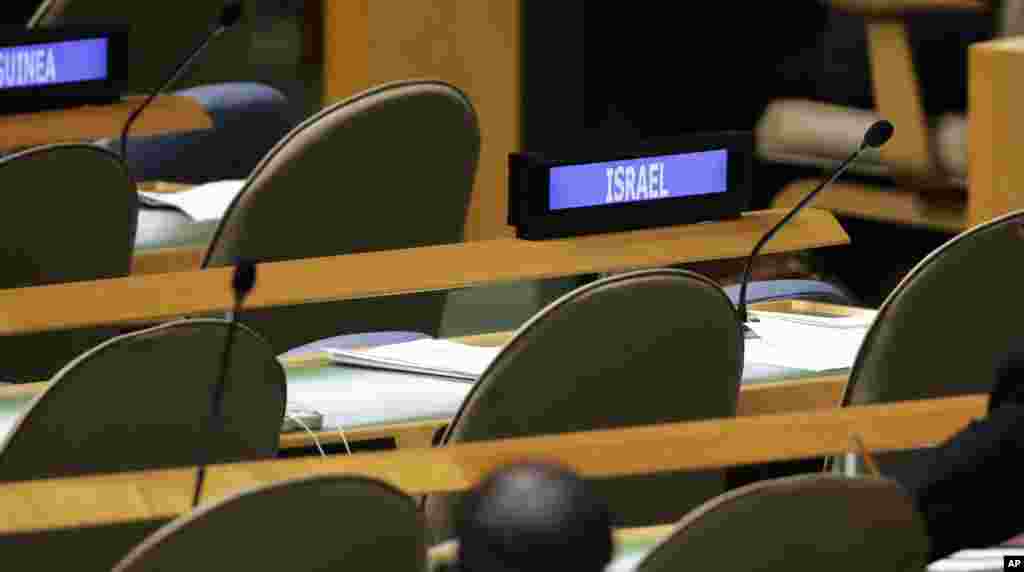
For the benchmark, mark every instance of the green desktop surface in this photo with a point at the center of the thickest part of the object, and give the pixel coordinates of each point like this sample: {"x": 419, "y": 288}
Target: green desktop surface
{"x": 350, "y": 397}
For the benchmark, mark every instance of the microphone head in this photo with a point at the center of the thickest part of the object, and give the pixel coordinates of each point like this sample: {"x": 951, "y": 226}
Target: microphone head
{"x": 878, "y": 134}
{"x": 244, "y": 278}
{"x": 231, "y": 14}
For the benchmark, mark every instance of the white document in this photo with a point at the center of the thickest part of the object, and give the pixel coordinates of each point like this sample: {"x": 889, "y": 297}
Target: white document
{"x": 202, "y": 203}
{"x": 380, "y": 400}
{"x": 787, "y": 343}
{"x": 429, "y": 356}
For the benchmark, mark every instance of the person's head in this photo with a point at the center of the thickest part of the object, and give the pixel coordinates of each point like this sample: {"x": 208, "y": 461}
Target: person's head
{"x": 533, "y": 517}
{"x": 1009, "y": 380}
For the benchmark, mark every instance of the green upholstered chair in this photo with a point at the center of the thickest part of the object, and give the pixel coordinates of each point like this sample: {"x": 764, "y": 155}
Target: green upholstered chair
{"x": 944, "y": 328}
{"x": 143, "y": 401}
{"x": 70, "y": 215}
{"x": 160, "y": 35}
{"x": 799, "y": 524}
{"x": 319, "y": 523}
{"x": 639, "y": 348}
{"x": 389, "y": 168}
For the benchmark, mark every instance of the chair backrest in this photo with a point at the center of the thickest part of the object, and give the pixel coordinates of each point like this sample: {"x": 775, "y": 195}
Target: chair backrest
{"x": 799, "y": 524}
{"x": 69, "y": 214}
{"x": 945, "y": 327}
{"x": 639, "y": 348}
{"x": 160, "y": 35}
{"x": 389, "y": 168}
{"x": 319, "y": 523}
{"x": 143, "y": 400}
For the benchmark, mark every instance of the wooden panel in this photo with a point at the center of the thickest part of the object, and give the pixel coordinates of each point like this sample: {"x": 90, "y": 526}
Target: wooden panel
{"x": 790, "y": 396}
{"x": 898, "y": 98}
{"x": 472, "y": 44}
{"x": 162, "y": 260}
{"x": 875, "y": 203}
{"x": 166, "y": 114}
{"x": 346, "y": 46}
{"x": 995, "y": 129}
{"x": 44, "y": 505}
{"x": 155, "y": 297}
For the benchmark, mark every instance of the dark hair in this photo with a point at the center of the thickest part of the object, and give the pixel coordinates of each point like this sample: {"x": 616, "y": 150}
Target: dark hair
{"x": 530, "y": 516}
{"x": 1009, "y": 380}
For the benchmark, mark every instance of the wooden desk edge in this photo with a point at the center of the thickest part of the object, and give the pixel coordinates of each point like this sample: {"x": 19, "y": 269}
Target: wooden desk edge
{"x": 386, "y": 273}
{"x": 108, "y": 499}
{"x": 167, "y": 114}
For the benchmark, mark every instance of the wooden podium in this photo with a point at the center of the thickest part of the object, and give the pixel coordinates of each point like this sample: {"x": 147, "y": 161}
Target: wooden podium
{"x": 167, "y": 114}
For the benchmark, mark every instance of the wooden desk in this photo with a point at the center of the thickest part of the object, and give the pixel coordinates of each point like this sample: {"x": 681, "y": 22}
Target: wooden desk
{"x": 155, "y": 495}
{"x": 771, "y": 397}
{"x": 157, "y": 297}
{"x": 167, "y": 114}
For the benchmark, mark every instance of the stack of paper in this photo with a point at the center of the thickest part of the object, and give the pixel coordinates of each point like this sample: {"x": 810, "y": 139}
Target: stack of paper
{"x": 203, "y": 203}
{"x": 432, "y": 357}
{"x": 805, "y": 342}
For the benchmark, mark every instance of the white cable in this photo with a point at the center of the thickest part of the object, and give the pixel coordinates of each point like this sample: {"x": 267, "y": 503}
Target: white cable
{"x": 341, "y": 430}
{"x": 316, "y": 441}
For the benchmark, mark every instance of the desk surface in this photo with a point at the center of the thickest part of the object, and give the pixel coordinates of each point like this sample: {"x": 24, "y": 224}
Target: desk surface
{"x": 168, "y": 113}
{"x": 371, "y": 404}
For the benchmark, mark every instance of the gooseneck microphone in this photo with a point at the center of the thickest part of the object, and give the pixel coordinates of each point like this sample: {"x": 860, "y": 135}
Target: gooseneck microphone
{"x": 242, "y": 283}
{"x": 229, "y": 16}
{"x": 877, "y": 135}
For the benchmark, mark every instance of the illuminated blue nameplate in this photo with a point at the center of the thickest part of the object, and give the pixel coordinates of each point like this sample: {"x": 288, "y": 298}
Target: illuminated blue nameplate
{"x": 671, "y": 181}
{"x": 634, "y": 180}
{"x": 54, "y": 63}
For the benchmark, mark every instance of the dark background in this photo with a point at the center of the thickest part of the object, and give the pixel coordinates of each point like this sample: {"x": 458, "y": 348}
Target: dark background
{"x": 606, "y": 73}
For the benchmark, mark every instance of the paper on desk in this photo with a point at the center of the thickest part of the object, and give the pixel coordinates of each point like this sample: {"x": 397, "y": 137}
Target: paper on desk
{"x": 388, "y": 399}
{"x": 787, "y": 343}
{"x": 860, "y": 320}
{"x": 429, "y": 356}
{"x": 201, "y": 203}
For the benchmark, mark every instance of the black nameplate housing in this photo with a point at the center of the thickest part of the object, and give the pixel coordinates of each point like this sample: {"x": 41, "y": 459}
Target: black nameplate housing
{"x": 661, "y": 182}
